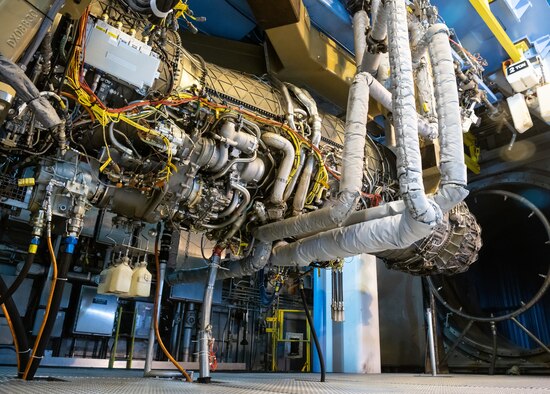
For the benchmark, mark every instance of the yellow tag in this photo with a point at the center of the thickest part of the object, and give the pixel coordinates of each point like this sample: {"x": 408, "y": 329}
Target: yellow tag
{"x": 25, "y": 182}
{"x": 33, "y": 248}
{"x": 104, "y": 165}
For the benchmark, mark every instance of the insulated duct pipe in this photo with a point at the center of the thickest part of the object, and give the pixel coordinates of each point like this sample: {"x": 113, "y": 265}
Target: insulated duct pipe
{"x": 383, "y": 96}
{"x": 375, "y": 38}
{"x": 256, "y": 260}
{"x": 360, "y": 24}
{"x": 452, "y": 189}
{"x": 393, "y": 232}
{"x": 409, "y": 162}
{"x": 351, "y": 182}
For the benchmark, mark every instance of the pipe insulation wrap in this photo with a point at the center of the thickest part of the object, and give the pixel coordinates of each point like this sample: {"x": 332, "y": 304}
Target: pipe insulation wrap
{"x": 425, "y": 89}
{"x": 333, "y": 215}
{"x": 409, "y": 163}
{"x": 371, "y": 58}
{"x": 360, "y": 23}
{"x": 392, "y": 232}
{"x": 379, "y": 29}
{"x": 383, "y": 96}
{"x": 256, "y": 260}
{"x": 452, "y": 166}
{"x": 353, "y": 156}
{"x": 13, "y": 75}
{"x": 422, "y": 43}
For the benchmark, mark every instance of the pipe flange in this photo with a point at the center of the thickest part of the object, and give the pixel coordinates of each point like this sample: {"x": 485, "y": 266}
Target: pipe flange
{"x": 375, "y": 46}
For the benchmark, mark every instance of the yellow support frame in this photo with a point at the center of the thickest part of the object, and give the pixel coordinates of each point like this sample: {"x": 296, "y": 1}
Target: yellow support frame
{"x": 276, "y": 330}
{"x": 472, "y": 158}
{"x": 484, "y": 10}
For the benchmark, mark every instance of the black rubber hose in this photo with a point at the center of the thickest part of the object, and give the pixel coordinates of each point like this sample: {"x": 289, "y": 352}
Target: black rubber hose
{"x": 5, "y": 294}
{"x": 163, "y": 6}
{"x": 19, "y": 335}
{"x": 64, "y": 265}
{"x": 313, "y": 333}
{"x": 42, "y": 31}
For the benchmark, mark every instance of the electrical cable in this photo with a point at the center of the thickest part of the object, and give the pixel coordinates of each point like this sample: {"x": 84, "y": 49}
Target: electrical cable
{"x": 17, "y": 329}
{"x": 17, "y": 282}
{"x": 52, "y": 308}
{"x": 155, "y": 319}
{"x": 313, "y": 332}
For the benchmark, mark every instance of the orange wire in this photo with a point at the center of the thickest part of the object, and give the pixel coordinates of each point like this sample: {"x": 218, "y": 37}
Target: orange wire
{"x": 155, "y": 322}
{"x": 10, "y": 325}
{"x": 48, "y": 305}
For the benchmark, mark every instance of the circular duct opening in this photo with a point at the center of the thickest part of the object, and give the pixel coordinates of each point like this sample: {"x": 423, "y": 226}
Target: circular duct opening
{"x": 512, "y": 268}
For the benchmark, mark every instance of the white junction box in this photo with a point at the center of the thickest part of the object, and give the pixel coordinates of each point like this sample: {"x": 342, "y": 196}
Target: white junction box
{"x": 124, "y": 57}
{"x": 543, "y": 97}
{"x": 520, "y": 112}
{"x": 522, "y": 76}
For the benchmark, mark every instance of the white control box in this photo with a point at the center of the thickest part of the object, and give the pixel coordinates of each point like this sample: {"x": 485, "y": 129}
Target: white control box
{"x": 520, "y": 112}
{"x": 522, "y": 76}
{"x": 124, "y": 57}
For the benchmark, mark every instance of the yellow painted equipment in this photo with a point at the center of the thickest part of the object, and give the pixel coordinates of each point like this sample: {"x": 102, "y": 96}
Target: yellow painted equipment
{"x": 276, "y": 328}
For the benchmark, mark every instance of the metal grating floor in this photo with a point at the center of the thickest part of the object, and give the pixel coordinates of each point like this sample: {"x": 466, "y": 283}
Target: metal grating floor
{"x": 84, "y": 381}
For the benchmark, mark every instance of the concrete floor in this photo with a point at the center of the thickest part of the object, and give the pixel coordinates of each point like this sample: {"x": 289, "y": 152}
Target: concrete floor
{"x": 83, "y": 381}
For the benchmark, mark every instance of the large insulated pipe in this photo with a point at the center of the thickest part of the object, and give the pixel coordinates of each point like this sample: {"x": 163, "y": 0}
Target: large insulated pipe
{"x": 409, "y": 162}
{"x": 280, "y": 143}
{"x": 452, "y": 189}
{"x": 360, "y": 23}
{"x": 425, "y": 91}
{"x": 393, "y": 232}
{"x": 383, "y": 96}
{"x": 256, "y": 260}
{"x": 376, "y": 36}
{"x": 351, "y": 181}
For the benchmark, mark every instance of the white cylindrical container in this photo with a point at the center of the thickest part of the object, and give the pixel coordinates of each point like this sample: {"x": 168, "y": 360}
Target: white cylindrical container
{"x": 121, "y": 277}
{"x": 141, "y": 281}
